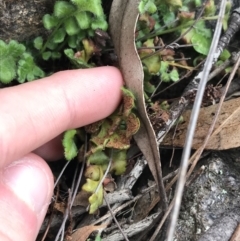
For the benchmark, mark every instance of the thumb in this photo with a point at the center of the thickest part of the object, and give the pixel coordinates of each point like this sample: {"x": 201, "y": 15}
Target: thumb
{"x": 25, "y": 190}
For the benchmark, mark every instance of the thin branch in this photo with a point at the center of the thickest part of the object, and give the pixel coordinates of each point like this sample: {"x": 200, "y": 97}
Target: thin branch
{"x": 75, "y": 188}
{"x": 115, "y": 220}
{"x": 210, "y": 132}
{"x": 202, "y": 78}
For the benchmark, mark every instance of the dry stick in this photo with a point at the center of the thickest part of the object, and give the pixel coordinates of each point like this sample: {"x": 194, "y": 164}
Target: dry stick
{"x": 219, "y": 69}
{"x": 202, "y": 77}
{"x": 118, "y": 209}
{"x": 210, "y": 134}
{"x": 236, "y": 235}
{"x": 61, "y": 173}
{"x": 162, "y": 221}
{"x": 62, "y": 228}
{"x": 114, "y": 218}
{"x": 51, "y": 216}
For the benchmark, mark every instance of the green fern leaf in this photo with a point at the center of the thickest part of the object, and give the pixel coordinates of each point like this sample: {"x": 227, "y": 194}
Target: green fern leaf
{"x": 9, "y": 55}
{"x": 56, "y": 55}
{"x": 28, "y": 70}
{"x": 83, "y": 19}
{"x": 93, "y": 6}
{"x": 38, "y": 43}
{"x": 46, "y": 55}
{"x": 70, "y": 148}
{"x": 7, "y": 71}
{"x": 51, "y": 45}
{"x": 99, "y": 23}
{"x": 71, "y": 26}
{"x": 15, "y": 49}
{"x": 59, "y": 35}
{"x": 49, "y": 21}
{"x": 63, "y": 8}
{"x": 72, "y": 41}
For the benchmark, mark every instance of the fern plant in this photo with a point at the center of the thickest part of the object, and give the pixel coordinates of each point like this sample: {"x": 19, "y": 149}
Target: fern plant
{"x": 71, "y": 23}
{"x": 16, "y": 63}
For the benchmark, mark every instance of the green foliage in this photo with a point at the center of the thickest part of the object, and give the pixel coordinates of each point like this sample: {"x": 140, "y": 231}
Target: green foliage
{"x": 227, "y": 15}
{"x": 38, "y": 43}
{"x": 98, "y": 237}
{"x": 162, "y": 21}
{"x": 16, "y": 63}
{"x": 200, "y": 43}
{"x": 110, "y": 138}
{"x": 71, "y": 23}
{"x": 69, "y": 145}
{"x": 96, "y": 199}
{"x": 225, "y": 55}
{"x": 147, "y": 6}
{"x": 27, "y": 69}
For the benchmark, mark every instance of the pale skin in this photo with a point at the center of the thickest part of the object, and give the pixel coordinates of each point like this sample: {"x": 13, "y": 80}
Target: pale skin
{"x": 33, "y": 116}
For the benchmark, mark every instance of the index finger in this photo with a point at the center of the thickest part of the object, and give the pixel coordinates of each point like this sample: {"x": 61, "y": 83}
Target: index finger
{"x": 36, "y": 112}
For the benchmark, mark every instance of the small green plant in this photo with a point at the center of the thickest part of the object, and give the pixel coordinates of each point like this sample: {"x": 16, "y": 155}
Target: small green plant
{"x": 72, "y": 23}
{"x": 16, "y": 63}
{"x": 72, "y": 27}
{"x": 109, "y": 139}
{"x": 172, "y": 19}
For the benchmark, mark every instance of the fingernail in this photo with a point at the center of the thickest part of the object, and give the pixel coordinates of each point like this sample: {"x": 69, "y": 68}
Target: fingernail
{"x": 30, "y": 182}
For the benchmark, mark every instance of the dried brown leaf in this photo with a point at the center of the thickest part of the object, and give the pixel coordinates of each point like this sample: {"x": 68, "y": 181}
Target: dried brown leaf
{"x": 123, "y": 18}
{"x": 83, "y": 233}
{"x": 81, "y": 199}
{"x": 225, "y": 135}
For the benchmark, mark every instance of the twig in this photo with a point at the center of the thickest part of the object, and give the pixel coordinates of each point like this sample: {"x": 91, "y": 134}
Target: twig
{"x": 162, "y": 221}
{"x": 75, "y": 188}
{"x": 80, "y": 174}
{"x": 236, "y": 235}
{"x": 210, "y": 134}
{"x": 51, "y": 216}
{"x": 130, "y": 179}
{"x": 202, "y": 78}
{"x": 118, "y": 209}
{"x": 106, "y": 172}
{"x": 219, "y": 69}
{"x": 134, "y": 228}
{"x": 114, "y": 218}
{"x": 61, "y": 173}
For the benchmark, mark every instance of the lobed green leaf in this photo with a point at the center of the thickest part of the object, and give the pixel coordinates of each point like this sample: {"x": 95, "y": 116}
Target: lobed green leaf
{"x": 93, "y": 6}
{"x": 49, "y": 21}
{"x": 83, "y": 20}
{"x": 99, "y": 23}
{"x": 70, "y": 148}
{"x": 38, "y": 43}
{"x": 63, "y": 9}
{"x": 71, "y": 26}
{"x": 28, "y": 70}
{"x": 59, "y": 35}
{"x": 7, "y": 70}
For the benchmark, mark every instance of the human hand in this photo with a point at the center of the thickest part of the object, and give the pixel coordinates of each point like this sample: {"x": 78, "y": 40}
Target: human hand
{"x": 32, "y": 115}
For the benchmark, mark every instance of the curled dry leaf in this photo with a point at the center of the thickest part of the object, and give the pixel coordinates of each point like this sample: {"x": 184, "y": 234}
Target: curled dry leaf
{"x": 226, "y": 132}
{"x": 83, "y": 233}
{"x": 123, "y": 18}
